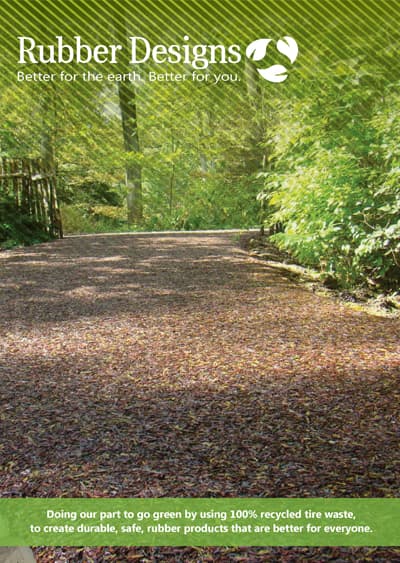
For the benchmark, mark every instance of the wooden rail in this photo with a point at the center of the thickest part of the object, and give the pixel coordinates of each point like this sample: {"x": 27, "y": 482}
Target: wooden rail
{"x": 34, "y": 190}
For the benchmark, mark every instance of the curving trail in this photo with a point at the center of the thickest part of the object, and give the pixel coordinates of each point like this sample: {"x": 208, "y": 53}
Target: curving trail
{"x": 177, "y": 365}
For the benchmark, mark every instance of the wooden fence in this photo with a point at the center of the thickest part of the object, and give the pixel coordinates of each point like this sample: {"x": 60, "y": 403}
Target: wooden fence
{"x": 33, "y": 188}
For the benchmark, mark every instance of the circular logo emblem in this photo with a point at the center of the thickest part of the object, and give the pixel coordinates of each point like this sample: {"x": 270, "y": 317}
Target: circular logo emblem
{"x": 257, "y": 50}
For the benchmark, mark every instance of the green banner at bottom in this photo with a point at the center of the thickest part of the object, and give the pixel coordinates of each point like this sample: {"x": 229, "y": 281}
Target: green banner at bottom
{"x": 200, "y": 522}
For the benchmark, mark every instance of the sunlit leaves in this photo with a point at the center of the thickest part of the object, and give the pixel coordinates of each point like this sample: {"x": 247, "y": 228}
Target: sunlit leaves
{"x": 335, "y": 178}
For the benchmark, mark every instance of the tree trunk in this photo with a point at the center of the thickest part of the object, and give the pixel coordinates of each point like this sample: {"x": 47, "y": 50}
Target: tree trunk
{"x": 133, "y": 170}
{"x": 128, "y": 108}
{"x": 206, "y": 130}
{"x": 253, "y": 83}
{"x": 255, "y": 95}
{"x": 49, "y": 163}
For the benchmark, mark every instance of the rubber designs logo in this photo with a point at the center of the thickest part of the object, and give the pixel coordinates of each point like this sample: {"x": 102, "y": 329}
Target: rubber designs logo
{"x": 257, "y": 50}
{"x": 140, "y": 50}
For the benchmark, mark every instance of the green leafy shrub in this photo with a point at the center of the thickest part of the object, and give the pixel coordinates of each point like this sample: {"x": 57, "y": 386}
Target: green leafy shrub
{"x": 17, "y": 228}
{"x": 96, "y": 193}
{"x": 84, "y": 218}
{"x": 335, "y": 179}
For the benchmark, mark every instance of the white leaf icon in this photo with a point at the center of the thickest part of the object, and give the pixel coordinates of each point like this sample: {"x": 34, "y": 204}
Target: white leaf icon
{"x": 257, "y": 49}
{"x": 273, "y": 73}
{"x": 288, "y": 48}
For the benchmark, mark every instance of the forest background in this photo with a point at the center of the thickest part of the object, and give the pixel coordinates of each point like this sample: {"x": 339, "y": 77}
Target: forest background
{"x": 315, "y": 159}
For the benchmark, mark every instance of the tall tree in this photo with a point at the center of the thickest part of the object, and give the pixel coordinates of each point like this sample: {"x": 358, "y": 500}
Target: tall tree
{"x": 128, "y": 108}
{"x": 133, "y": 169}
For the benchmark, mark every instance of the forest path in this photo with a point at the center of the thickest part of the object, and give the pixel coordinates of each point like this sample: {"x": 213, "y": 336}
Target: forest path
{"x": 175, "y": 364}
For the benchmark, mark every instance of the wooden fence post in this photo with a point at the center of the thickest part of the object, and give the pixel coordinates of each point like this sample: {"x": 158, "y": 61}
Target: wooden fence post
{"x": 34, "y": 189}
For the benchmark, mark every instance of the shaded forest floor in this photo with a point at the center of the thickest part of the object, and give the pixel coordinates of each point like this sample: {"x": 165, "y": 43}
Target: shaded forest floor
{"x": 177, "y": 365}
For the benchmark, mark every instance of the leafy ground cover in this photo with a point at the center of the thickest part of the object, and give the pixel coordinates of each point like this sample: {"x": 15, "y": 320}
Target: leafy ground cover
{"x": 176, "y": 365}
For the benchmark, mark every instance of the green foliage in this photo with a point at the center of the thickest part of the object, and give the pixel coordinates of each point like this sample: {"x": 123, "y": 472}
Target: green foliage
{"x": 335, "y": 176}
{"x": 84, "y": 218}
{"x": 202, "y": 203}
{"x": 92, "y": 193}
{"x": 17, "y": 228}
{"x": 326, "y": 141}
{"x": 199, "y": 153}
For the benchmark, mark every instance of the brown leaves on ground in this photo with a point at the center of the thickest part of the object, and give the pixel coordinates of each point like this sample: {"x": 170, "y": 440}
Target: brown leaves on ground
{"x": 176, "y": 365}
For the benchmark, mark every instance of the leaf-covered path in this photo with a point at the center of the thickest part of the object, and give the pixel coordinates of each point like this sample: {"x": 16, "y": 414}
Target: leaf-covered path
{"x": 177, "y": 365}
